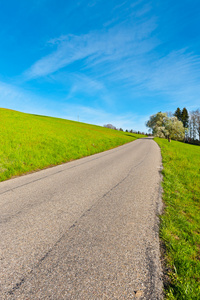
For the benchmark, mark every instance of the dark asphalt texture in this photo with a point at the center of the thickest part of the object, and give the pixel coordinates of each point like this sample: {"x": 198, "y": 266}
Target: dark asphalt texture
{"x": 87, "y": 229}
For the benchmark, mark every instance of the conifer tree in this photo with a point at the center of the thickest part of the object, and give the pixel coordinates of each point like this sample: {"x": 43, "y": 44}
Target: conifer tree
{"x": 185, "y": 117}
{"x": 178, "y": 114}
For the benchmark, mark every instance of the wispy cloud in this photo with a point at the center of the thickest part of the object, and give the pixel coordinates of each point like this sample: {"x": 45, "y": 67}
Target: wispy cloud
{"x": 23, "y": 100}
{"x": 80, "y": 86}
{"x": 111, "y": 45}
{"x": 11, "y": 96}
{"x": 176, "y": 74}
{"x": 127, "y": 56}
{"x": 145, "y": 9}
{"x": 80, "y": 83}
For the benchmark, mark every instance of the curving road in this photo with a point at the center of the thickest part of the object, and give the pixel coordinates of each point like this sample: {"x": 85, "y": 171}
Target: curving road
{"x": 87, "y": 229}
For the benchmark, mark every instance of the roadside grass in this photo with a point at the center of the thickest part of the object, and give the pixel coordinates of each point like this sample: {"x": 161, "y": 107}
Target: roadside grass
{"x": 31, "y": 142}
{"x": 180, "y": 223}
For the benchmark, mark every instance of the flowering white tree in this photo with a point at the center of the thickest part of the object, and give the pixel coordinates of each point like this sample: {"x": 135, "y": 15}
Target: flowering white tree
{"x": 174, "y": 129}
{"x": 166, "y": 127}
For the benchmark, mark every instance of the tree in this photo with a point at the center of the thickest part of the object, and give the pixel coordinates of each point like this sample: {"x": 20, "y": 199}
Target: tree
{"x": 198, "y": 122}
{"x": 110, "y": 126}
{"x": 157, "y": 124}
{"x": 185, "y": 117}
{"x": 174, "y": 129}
{"x": 195, "y": 124}
{"x": 178, "y": 114}
{"x": 166, "y": 127}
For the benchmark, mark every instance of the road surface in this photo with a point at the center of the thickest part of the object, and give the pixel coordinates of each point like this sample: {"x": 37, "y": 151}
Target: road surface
{"x": 87, "y": 229}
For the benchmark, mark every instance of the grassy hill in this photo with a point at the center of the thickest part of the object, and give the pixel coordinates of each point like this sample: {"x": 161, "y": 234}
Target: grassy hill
{"x": 180, "y": 223}
{"x": 31, "y": 142}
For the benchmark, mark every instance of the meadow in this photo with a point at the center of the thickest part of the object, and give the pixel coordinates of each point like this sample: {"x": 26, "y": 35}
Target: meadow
{"x": 31, "y": 142}
{"x": 180, "y": 222}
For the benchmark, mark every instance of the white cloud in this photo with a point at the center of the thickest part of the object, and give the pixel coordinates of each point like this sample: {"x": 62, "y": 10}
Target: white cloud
{"x": 145, "y": 9}
{"x": 177, "y": 75}
{"x": 16, "y": 98}
{"x": 9, "y": 95}
{"x": 82, "y": 81}
{"x": 112, "y": 45}
{"x": 124, "y": 56}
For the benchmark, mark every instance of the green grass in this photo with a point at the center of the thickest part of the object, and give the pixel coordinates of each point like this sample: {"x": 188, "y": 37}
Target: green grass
{"x": 180, "y": 223}
{"x": 31, "y": 142}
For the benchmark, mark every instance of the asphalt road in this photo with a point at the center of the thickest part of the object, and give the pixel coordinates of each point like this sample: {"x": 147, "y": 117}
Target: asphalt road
{"x": 87, "y": 229}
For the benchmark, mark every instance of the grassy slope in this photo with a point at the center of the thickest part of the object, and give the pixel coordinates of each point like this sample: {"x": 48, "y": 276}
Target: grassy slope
{"x": 29, "y": 142}
{"x": 180, "y": 224}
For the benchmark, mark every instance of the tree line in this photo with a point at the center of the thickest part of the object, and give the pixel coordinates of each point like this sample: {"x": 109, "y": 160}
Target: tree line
{"x": 191, "y": 121}
{"x": 181, "y": 125}
{"x": 121, "y": 129}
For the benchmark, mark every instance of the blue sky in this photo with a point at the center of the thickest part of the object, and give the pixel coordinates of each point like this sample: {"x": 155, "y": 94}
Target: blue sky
{"x": 105, "y": 61}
